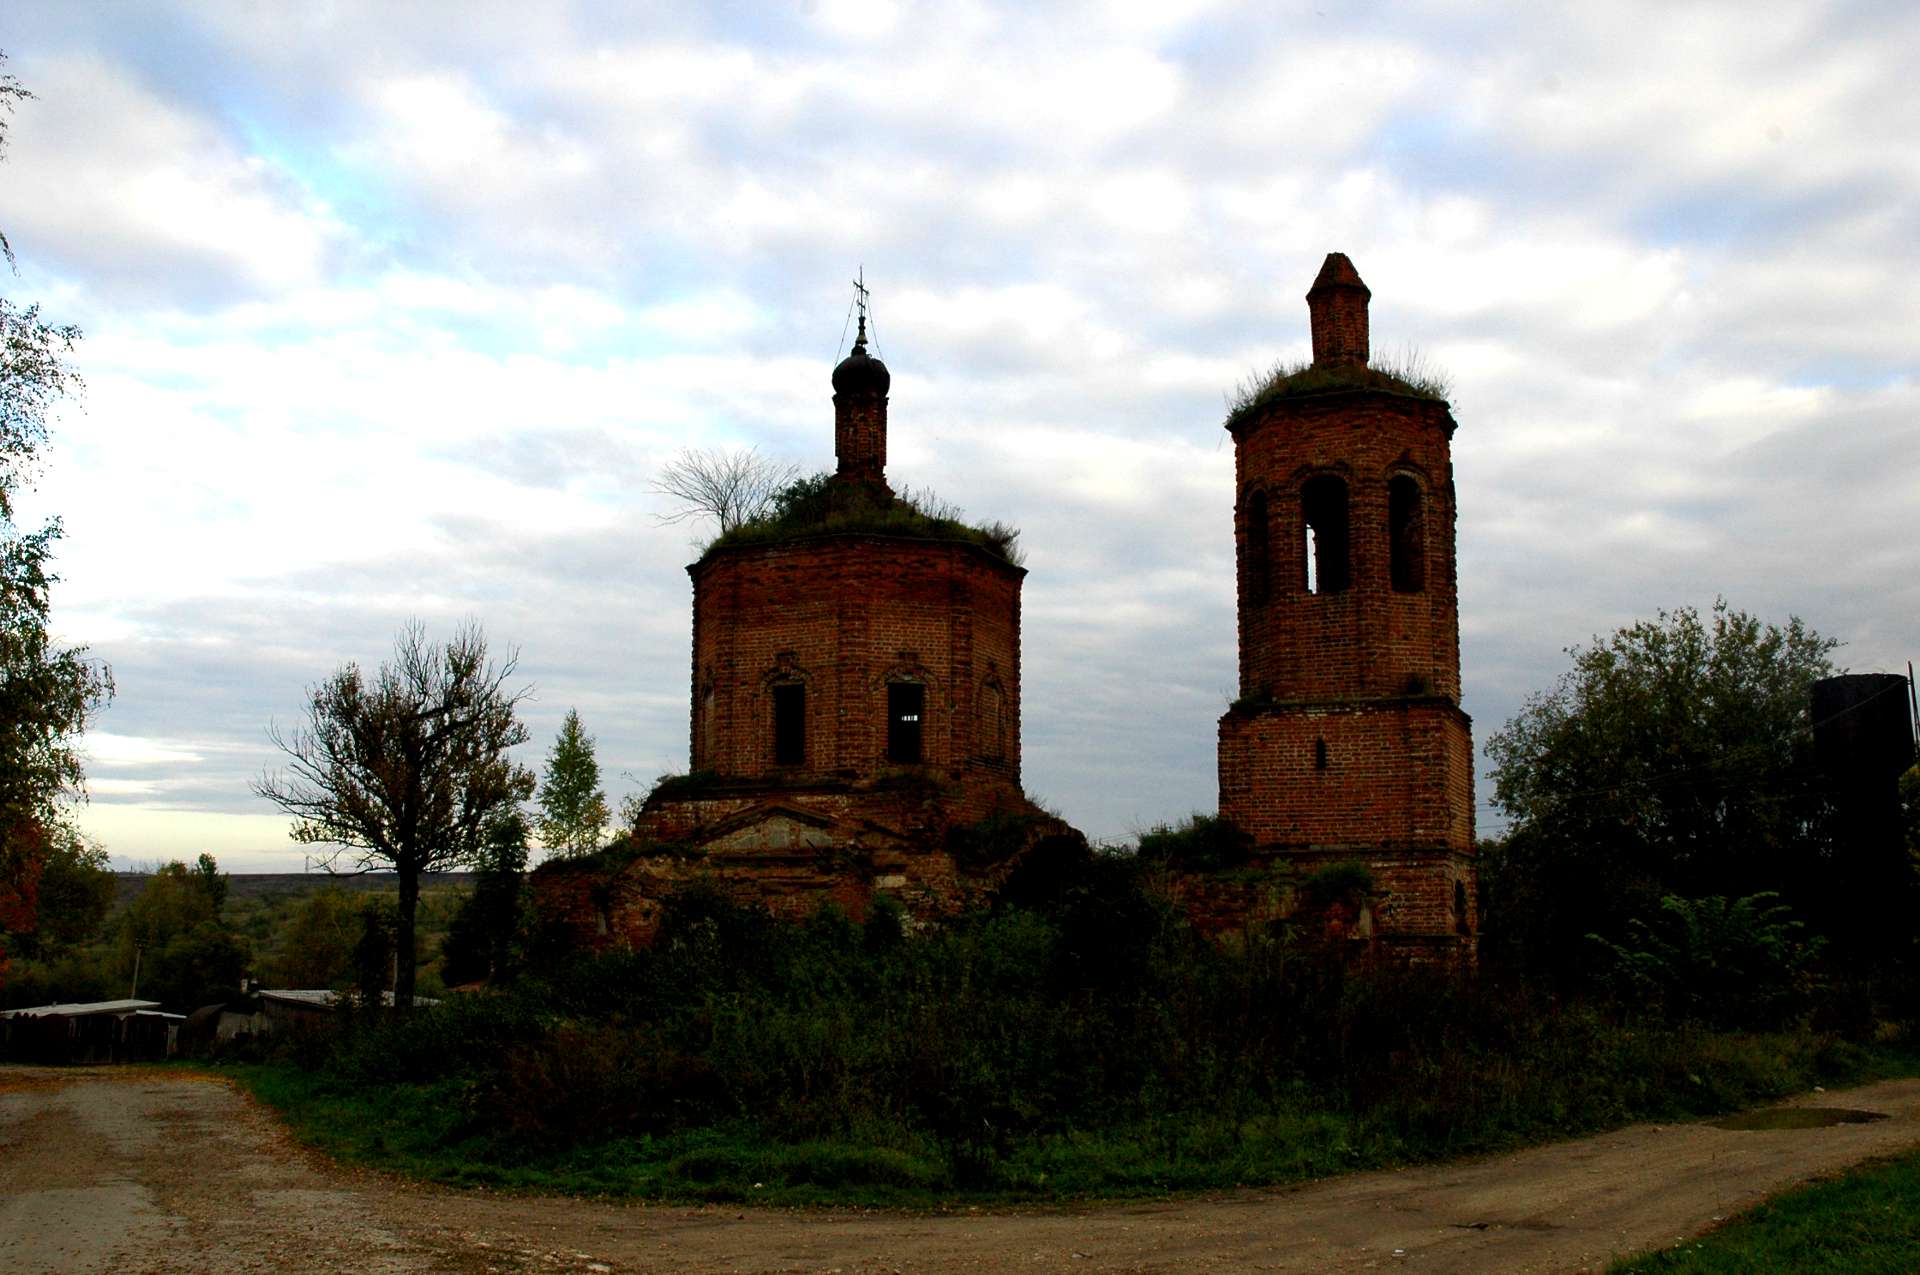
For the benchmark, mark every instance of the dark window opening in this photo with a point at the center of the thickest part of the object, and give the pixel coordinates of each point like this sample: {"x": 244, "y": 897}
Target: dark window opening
{"x": 1259, "y": 555}
{"x": 1323, "y": 505}
{"x": 906, "y": 706}
{"x": 1461, "y": 923}
{"x": 789, "y": 724}
{"x": 1406, "y": 536}
{"x": 1320, "y": 754}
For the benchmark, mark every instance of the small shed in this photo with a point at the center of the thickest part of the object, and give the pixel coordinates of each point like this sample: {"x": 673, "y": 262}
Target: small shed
{"x": 91, "y": 1031}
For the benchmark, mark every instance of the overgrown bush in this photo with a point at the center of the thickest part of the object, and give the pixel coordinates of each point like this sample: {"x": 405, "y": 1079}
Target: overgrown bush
{"x": 1080, "y": 1037}
{"x": 1736, "y": 963}
{"x": 1199, "y": 843}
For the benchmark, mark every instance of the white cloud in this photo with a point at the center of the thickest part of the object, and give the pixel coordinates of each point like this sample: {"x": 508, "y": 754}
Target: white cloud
{"x": 147, "y": 199}
{"x": 396, "y": 316}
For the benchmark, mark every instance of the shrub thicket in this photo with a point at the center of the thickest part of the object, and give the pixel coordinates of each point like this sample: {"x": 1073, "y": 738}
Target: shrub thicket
{"x": 1087, "y": 1039}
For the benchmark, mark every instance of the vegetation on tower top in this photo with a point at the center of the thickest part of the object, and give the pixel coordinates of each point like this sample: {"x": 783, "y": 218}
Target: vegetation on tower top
{"x": 1408, "y": 374}
{"x": 820, "y": 506}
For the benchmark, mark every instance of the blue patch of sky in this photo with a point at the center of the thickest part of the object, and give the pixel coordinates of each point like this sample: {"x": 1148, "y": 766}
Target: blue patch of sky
{"x": 305, "y": 157}
{"x": 1438, "y": 153}
{"x": 1849, "y": 375}
{"x": 777, "y": 27}
{"x": 1745, "y": 211}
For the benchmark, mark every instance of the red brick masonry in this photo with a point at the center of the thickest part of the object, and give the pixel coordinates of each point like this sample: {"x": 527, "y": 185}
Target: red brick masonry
{"x": 1348, "y": 743}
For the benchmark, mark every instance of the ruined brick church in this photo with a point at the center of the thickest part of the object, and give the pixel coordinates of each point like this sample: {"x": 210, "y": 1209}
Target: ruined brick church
{"x": 855, "y": 718}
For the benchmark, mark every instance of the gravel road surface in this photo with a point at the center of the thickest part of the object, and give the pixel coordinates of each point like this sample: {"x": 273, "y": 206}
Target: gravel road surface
{"x": 129, "y": 1170}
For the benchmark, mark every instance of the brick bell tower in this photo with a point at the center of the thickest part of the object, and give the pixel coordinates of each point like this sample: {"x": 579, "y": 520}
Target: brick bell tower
{"x": 1348, "y": 744}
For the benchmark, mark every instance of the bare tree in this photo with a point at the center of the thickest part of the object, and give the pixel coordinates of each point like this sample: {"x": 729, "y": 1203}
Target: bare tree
{"x": 730, "y": 487}
{"x": 407, "y": 771}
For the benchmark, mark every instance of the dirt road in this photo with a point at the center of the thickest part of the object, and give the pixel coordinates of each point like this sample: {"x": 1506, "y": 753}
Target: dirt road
{"x": 125, "y": 1170}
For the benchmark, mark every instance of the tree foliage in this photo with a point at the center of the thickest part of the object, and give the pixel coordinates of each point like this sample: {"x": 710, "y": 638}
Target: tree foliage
{"x": 490, "y": 934}
{"x": 1734, "y": 963}
{"x": 11, "y": 91}
{"x": 47, "y": 693}
{"x": 408, "y": 769}
{"x": 174, "y": 938}
{"x": 75, "y": 889}
{"x": 1673, "y": 758}
{"x": 573, "y": 810}
{"x": 315, "y": 947}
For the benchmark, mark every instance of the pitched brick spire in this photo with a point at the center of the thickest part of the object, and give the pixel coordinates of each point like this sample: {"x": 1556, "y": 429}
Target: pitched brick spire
{"x": 1337, "y": 303}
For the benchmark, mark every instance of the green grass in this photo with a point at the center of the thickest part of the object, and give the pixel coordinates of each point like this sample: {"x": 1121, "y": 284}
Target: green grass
{"x": 1865, "y": 1222}
{"x": 423, "y": 1132}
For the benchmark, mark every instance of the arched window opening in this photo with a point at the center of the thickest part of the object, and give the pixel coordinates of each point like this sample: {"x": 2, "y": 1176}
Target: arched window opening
{"x": 1319, "y": 754}
{"x": 790, "y": 724}
{"x": 1259, "y": 552}
{"x": 1406, "y": 536}
{"x": 906, "y": 706}
{"x": 1462, "y": 919}
{"x": 1323, "y": 506}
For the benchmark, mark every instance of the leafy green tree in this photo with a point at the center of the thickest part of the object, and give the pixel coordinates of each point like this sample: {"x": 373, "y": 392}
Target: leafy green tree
{"x": 316, "y": 944}
{"x": 407, "y": 770}
{"x": 375, "y": 967}
{"x": 573, "y": 809}
{"x": 489, "y": 934}
{"x": 76, "y": 892}
{"x": 1673, "y": 758}
{"x": 174, "y": 945}
{"x": 47, "y": 694}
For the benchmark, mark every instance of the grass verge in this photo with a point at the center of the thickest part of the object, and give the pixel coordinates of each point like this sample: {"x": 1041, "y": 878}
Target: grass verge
{"x": 1865, "y": 1223}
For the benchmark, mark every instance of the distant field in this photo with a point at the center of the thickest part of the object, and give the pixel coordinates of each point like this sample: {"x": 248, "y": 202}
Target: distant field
{"x": 279, "y": 885}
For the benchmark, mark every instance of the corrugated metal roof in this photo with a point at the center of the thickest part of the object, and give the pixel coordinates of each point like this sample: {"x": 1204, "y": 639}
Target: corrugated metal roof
{"x": 320, "y": 997}
{"x": 80, "y": 1009}
{"x": 323, "y": 998}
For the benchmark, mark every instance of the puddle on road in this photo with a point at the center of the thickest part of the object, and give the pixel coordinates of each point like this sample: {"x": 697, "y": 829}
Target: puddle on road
{"x": 1797, "y": 1118}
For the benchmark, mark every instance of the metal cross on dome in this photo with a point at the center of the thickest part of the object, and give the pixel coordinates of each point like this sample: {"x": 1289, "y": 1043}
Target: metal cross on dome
{"x": 860, "y": 301}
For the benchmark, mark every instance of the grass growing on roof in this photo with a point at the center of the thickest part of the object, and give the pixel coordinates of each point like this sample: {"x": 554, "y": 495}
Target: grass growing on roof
{"x": 1407, "y": 374}
{"x": 814, "y": 507}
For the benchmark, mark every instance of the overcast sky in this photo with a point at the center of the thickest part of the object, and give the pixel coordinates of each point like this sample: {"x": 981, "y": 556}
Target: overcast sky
{"x": 392, "y": 311}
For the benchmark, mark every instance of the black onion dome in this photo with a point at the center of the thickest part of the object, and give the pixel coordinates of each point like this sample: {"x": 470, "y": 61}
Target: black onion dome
{"x": 859, "y": 372}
